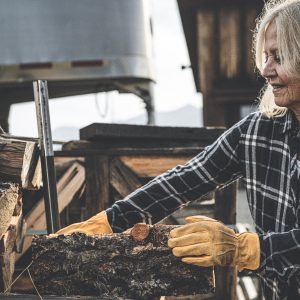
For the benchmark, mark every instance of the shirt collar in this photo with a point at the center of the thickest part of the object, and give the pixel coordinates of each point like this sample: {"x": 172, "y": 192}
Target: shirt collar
{"x": 288, "y": 121}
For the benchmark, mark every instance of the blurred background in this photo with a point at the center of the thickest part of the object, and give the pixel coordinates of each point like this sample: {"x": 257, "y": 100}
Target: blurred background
{"x": 176, "y": 100}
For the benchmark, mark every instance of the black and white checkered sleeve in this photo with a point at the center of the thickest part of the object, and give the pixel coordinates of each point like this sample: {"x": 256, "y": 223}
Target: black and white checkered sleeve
{"x": 280, "y": 254}
{"x": 215, "y": 166}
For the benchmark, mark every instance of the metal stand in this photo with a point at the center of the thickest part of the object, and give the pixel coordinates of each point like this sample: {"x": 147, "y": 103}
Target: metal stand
{"x": 40, "y": 90}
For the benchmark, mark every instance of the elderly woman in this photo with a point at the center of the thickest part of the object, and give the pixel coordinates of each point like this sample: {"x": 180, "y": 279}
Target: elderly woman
{"x": 263, "y": 150}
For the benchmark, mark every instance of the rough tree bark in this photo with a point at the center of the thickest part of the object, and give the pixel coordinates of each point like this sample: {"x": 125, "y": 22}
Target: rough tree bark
{"x": 131, "y": 265}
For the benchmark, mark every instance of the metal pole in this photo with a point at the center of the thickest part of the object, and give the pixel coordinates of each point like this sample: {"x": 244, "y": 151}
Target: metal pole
{"x": 149, "y": 101}
{"x": 40, "y": 90}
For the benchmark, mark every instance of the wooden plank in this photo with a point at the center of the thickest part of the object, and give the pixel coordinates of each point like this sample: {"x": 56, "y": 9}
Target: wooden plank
{"x": 102, "y": 132}
{"x": 122, "y": 178}
{"x": 39, "y": 208}
{"x": 127, "y": 151}
{"x": 97, "y": 183}
{"x": 206, "y": 45}
{"x": 230, "y": 54}
{"x": 136, "y": 264}
{"x": 67, "y": 187}
{"x": 129, "y": 143}
{"x": 150, "y": 165}
{"x": 251, "y": 15}
{"x": 226, "y": 277}
{"x": 35, "y": 180}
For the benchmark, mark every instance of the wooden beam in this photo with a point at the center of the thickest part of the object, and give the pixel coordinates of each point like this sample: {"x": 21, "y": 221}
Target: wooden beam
{"x": 153, "y": 165}
{"x": 230, "y": 52}
{"x": 122, "y": 178}
{"x": 225, "y": 211}
{"x": 67, "y": 187}
{"x": 97, "y": 183}
{"x": 117, "y": 265}
{"x": 123, "y": 132}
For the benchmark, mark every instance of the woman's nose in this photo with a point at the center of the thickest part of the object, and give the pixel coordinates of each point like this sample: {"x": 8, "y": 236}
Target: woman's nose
{"x": 269, "y": 70}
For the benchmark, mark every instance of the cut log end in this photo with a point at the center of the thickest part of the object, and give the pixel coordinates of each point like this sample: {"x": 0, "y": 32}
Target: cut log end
{"x": 140, "y": 231}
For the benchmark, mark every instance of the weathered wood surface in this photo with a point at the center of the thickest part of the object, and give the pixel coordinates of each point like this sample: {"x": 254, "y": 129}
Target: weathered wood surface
{"x": 122, "y": 178}
{"x": 9, "y": 243}
{"x": 102, "y": 131}
{"x": 67, "y": 187}
{"x": 97, "y": 170}
{"x": 9, "y": 196}
{"x": 153, "y": 165}
{"x": 226, "y": 277}
{"x": 19, "y": 162}
{"x": 115, "y": 265}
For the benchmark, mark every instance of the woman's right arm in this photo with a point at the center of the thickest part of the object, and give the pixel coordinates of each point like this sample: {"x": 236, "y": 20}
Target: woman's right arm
{"x": 217, "y": 165}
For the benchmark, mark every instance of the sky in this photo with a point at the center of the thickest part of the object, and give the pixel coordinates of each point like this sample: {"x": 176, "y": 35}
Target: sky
{"x": 174, "y": 89}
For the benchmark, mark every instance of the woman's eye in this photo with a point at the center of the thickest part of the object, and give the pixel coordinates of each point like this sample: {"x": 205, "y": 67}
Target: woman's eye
{"x": 277, "y": 59}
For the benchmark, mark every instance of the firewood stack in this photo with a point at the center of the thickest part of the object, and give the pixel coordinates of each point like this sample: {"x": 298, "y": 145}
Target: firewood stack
{"x": 20, "y": 168}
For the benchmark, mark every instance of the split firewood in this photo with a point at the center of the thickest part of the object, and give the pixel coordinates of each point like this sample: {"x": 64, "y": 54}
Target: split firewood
{"x": 9, "y": 244}
{"x": 136, "y": 264}
{"x": 19, "y": 162}
{"x": 9, "y": 197}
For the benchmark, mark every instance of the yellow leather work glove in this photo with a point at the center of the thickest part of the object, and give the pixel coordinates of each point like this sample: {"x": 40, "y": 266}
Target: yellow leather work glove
{"x": 206, "y": 242}
{"x": 97, "y": 224}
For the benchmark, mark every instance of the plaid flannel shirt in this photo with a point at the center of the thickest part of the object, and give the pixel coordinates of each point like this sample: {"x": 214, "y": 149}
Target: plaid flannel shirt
{"x": 261, "y": 151}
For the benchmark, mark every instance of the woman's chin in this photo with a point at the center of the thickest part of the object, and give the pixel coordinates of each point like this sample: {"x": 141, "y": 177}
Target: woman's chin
{"x": 280, "y": 102}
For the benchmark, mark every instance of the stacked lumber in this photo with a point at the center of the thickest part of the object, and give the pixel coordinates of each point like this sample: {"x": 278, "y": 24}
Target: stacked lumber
{"x": 135, "y": 264}
{"x": 20, "y": 168}
{"x": 10, "y": 230}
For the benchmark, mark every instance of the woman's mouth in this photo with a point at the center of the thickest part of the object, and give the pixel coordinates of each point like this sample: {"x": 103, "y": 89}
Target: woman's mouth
{"x": 277, "y": 87}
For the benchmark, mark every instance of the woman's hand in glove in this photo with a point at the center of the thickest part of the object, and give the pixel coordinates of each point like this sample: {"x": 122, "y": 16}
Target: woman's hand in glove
{"x": 206, "y": 242}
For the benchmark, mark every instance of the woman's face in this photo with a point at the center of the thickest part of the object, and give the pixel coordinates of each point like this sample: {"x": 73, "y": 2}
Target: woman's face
{"x": 286, "y": 90}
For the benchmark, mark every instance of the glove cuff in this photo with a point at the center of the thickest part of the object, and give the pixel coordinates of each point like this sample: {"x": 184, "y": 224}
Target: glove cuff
{"x": 99, "y": 223}
{"x": 248, "y": 251}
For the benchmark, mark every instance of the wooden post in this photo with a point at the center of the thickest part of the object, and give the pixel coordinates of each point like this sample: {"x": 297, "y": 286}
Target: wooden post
{"x": 4, "y": 113}
{"x": 225, "y": 211}
{"x": 97, "y": 183}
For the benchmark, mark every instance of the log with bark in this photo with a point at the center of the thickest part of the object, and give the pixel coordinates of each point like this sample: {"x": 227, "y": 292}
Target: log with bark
{"x": 130, "y": 265}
